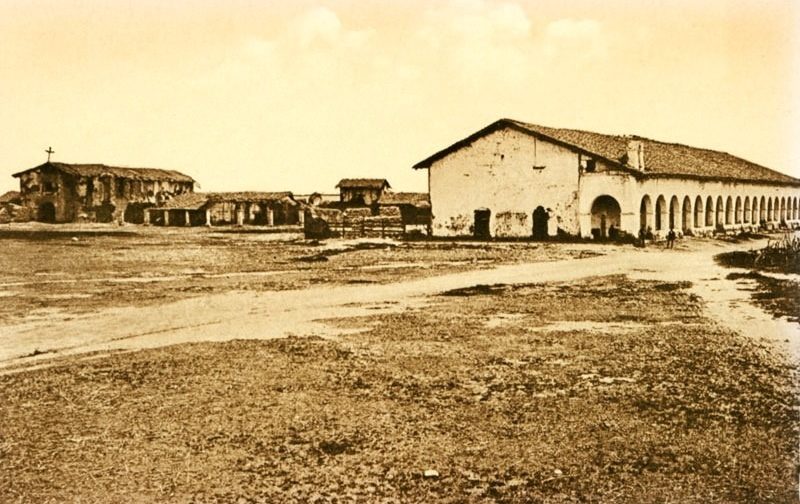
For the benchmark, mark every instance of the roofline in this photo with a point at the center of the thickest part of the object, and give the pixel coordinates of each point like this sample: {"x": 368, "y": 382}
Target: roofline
{"x": 55, "y": 163}
{"x": 706, "y": 178}
{"x": 510, "y": 123}
{"x": 385, "y": 182}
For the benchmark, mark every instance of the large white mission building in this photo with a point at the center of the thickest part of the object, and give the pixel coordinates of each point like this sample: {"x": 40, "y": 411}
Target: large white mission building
{"x": 513, "y": 179}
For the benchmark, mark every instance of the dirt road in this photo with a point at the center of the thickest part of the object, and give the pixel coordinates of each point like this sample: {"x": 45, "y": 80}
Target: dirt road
{"x": 261, "y": 315}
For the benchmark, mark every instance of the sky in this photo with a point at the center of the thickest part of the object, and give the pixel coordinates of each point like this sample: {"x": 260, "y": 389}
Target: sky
{"x": 295, "y": 95}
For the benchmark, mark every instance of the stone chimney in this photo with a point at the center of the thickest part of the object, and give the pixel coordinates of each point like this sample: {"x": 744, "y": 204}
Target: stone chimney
{"x": 635, "y": 154}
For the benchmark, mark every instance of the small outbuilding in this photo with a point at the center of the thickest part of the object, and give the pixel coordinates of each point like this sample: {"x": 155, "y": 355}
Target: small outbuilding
{"x": 361, "y": 191}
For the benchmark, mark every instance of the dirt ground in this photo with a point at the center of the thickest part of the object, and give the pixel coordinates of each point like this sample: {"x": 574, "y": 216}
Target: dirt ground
{"x": 66, "y": 271}
{"x": 484, "y": 375}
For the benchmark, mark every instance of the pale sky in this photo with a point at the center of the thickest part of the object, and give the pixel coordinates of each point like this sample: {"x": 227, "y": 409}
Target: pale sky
{"x": 294, "y": 95}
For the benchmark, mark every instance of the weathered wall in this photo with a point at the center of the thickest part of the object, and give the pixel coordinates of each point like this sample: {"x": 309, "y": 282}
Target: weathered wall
{"x": 275, "y": 213}
{"x": 511, "y": 174}
{"x": 91, "y": 198}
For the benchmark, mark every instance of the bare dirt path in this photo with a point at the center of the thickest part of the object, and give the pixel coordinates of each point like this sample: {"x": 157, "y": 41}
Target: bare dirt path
{"x": 262, "y": 315}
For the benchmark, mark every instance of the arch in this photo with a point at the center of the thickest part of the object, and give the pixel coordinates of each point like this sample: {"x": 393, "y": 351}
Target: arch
{"x": 606, "y": 214}
{"x": 737, "y": 211}
{"x": 646, "y": 213}
{"x": 46, "y": 212}
{"x": 540, "y": 218}
{"x": 661, "y": 213}
{"x": 686, "y": 221}
{"x": 794, "y": 210}
{"x": 674, "y": 208}
{"x": 782, "y": 215}
{"x": 729, "y": 210}
{"x": 754, "y": 218}
{"x": 698, "y": 212}
{"x": 762, "y": 210}
{"x": 775, "y": 204}
{"x": 709, "y": 212}
{"x": 719, "y": 215}
{"x": 746, "y": 211}
{"x": 770, "y": 213}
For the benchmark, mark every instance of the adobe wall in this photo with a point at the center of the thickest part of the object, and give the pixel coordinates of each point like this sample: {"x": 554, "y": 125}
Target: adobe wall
{"x": 91, "y": 198}
{"x": 511, "y": 174}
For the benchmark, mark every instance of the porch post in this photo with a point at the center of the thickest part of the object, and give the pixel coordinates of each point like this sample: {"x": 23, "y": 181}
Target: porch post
{"x": 240, "y": 215}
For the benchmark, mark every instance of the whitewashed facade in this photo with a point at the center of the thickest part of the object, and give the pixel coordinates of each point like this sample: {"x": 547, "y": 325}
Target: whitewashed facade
{"x": 507, "y": 181}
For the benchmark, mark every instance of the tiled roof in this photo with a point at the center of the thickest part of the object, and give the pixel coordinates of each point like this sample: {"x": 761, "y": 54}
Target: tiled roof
{"x": 97, "y": 170}
{"x": 362, "y": 183}
{"x": 196, "y": 201}
{"x": 186, "y": 201}
{"x": 661, "y": 159}
{"x": 405, "y": 198}
{"x": 251, "y": 196}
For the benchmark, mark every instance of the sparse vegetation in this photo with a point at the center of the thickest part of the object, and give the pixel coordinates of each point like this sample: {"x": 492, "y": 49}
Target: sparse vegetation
{"x": 607, "y": 391}
{"x": 779, "y": 255}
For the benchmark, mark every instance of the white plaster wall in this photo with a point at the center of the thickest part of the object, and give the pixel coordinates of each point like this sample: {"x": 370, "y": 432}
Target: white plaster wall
{"x": 497, "y": 172}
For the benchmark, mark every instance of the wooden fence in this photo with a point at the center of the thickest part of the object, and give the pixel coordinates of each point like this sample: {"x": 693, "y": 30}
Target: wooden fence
{"x": 354, "y": 223}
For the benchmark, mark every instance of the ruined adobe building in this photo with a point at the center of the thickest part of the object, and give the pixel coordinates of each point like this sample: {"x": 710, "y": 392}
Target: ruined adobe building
{"x": 61, "y": 192}
{"x": 513, "y": 179}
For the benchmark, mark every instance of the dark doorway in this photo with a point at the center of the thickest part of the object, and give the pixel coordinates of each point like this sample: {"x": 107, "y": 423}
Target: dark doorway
{"x": 606, "y": 215}
{"x": 105, "y": 212}
{"x": 540, "y": 218}
{"x": 481, "y": 227}
{"x": 46, "y": 213}
{"x": 134, "y": 212}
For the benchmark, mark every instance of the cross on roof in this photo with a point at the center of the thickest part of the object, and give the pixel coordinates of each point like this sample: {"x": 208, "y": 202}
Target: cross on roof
{"x": 49, "y": 151}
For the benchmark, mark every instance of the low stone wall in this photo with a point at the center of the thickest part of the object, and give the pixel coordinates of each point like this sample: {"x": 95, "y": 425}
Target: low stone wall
{"x": 14, "y": 213}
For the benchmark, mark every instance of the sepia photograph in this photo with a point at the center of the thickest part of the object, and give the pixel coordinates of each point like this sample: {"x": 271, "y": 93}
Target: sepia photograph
{"x": 410, "y": 251}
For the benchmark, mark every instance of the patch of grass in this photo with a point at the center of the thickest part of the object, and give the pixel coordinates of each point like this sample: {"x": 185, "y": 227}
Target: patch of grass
{"x": 778, "y": 296}
{"x": 674, "y": 410}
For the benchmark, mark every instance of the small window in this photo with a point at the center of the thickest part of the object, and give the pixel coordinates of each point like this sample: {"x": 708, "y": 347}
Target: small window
{"x": 49, "y": 187}
{"x": 591, "y": 165}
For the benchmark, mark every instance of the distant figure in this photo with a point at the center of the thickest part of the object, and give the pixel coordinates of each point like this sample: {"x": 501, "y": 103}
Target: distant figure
{"x": 612, "y": 232}
{"x": 643, "y": 236}
{"x": 671, "y": 238}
